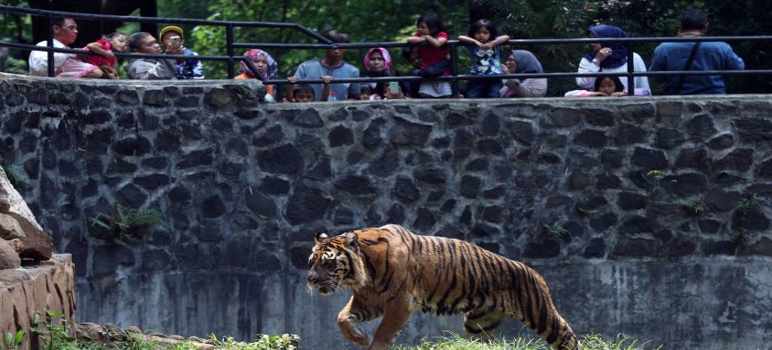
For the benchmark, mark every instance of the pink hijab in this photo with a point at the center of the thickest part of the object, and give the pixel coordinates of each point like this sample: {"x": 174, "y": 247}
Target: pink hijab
{"x": 384, "y": 53}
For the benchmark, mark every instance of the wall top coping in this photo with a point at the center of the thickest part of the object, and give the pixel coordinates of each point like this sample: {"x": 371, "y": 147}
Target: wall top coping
{"x": 458, "y": 103}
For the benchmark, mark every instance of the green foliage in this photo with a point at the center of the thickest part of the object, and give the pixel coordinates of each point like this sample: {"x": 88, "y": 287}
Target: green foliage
{"x": 264, "y": 342}
{"x": 749, "y": 202}
{"x": 695, "y": 207}
{"x": 125, "y": 224}
{"x": 589, "y": 342}
{"x": 556, "y": 230}
{"x": 12, "y": 341}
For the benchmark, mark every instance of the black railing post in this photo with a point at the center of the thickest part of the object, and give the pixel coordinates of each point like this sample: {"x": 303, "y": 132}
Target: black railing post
{"x": 453, "y": 69}
{"x": 229, "y": 43}
{"x": 50, "y": 43}
{"x": 630, "y": 77}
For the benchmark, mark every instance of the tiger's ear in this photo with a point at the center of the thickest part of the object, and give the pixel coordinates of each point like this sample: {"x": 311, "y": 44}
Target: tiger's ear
{"x": 320, "y": 236}
{"x": 351, "y": 239}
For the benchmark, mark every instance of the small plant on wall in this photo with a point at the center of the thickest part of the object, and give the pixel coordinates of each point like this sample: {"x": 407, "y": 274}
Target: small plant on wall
{"x": 125, "y": 224}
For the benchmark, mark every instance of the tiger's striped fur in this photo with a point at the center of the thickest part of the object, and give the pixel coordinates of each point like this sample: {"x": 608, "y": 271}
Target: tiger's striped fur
{"x": 392, "y": 272}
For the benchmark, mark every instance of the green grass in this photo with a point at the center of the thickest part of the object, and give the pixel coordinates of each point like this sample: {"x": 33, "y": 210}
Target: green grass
{"x": 590, "y": 342}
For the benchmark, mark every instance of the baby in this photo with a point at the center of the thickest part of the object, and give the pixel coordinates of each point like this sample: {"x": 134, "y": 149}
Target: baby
{"x": 104, "y": 58}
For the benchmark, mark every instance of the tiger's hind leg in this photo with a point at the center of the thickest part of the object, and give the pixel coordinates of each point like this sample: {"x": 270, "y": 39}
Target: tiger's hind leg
{"x": 480, "y": 324}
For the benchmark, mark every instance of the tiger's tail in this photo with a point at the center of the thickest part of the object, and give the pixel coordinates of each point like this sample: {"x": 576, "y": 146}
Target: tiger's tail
{"x": 539, "y": 313}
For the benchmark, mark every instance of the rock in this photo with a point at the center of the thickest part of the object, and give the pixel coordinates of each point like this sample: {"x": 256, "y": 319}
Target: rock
{"x": 285, "y": 159}
{"x": 722, "y": 141}
{"x": 628, "y": 134}
{"x": 12, "y": 202}
{"x": 754, "y": 129}
{"x": 522, "y": 131}
{"x": 701, "y": 127}
{"x": 693, "y": 158}
{"x": 356, "y": 185}
{"x": 669, "y": 138}
{"x": 9, "y": 259}
{"x": 684, "y": 185}
{"x": 308, "y": 118}
{"x": 649, "y": 159}
{"x": 765, "y": 169}
{"x": 596, "y": 249}
{"x": 591, "y": 138}
{"x": 405, "y": 190}
{"x": 564, "y": 117}
{"x": 547, "y": 248}
{"x": 35, "y": 244}
{"x": 340, "y": 136}
{"x": 739, "y": 160}
{"x": 408, "y": 132}
{"x": 306, "y": 205}
{"x": 9, "y": 228}
{"x": 470, "y": 186}
{"x": 631, "y": 201}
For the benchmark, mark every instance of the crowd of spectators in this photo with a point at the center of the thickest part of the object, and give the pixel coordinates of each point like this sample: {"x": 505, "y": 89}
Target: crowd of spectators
{"x": 428, "y": 57}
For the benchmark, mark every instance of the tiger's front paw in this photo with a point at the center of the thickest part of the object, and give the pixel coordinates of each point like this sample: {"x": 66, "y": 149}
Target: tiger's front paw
{"x": 359, "y": 338}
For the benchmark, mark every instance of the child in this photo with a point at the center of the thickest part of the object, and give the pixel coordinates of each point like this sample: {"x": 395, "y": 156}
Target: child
{"x": 173, "y": 43}
{"x": 432, "y": 40}
{"x": 300, "y": 93}
{"x": 104, "y": 58}
{"x": 486, "y": 58}
{"x": 605, "y": 85}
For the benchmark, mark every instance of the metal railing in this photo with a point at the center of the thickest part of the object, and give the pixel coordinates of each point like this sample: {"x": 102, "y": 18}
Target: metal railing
{"x": 324, "y": 43}
{"x": 229, "y": 31}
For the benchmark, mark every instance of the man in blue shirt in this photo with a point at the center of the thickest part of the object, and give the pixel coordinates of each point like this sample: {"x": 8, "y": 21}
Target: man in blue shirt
{"x": 709, "y": 55}
{"x": 329, "y": 68}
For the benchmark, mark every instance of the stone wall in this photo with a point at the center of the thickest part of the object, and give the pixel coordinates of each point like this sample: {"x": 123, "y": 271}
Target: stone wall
{"x": 616, "y": 189}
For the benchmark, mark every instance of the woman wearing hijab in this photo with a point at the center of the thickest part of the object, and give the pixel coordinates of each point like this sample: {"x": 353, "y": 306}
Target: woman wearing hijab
{"x": 611, "y": 58}
{"x": 265, "y": 67}
{"x": 523, "y": 61}
{"x": 377, "y": 63}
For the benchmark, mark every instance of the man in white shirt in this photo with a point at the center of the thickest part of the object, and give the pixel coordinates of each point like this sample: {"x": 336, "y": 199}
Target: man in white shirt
{"x": 66, "y": 65}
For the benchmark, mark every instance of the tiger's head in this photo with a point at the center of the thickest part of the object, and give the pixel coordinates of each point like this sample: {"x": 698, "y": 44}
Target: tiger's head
{"x": 335, "y": 262}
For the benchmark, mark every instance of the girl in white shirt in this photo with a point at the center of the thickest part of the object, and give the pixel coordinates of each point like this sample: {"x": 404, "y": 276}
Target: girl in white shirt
{"x": 611, "y": 58}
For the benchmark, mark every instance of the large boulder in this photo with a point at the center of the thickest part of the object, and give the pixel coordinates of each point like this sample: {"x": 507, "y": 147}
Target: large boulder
{"x": 17, "y": 223}
{"x": 9, "y": 259}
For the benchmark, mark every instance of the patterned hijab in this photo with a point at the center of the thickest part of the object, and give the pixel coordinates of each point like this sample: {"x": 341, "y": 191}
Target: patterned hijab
{"x": 386, "y": 59}
{"x": 254, "y": 55}
{"x": 619, "y": 51}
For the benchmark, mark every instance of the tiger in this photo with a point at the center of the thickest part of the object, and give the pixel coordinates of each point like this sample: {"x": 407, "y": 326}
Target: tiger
{"x": 393, "y": 272}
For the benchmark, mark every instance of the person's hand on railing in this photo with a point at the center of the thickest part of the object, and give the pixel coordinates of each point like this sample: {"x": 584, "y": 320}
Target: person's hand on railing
{"x": 110, "y": 72}
{"x": 292, "y": 79}
{"x": 327, "y": 79}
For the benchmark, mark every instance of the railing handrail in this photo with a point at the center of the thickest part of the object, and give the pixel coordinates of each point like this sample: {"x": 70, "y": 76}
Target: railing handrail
{"x": 387, "y": 44}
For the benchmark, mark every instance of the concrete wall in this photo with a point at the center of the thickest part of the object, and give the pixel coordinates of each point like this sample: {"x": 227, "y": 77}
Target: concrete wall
{"x": 640, "y": 212}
